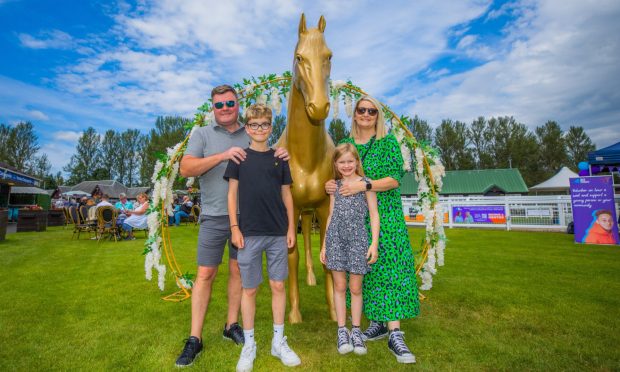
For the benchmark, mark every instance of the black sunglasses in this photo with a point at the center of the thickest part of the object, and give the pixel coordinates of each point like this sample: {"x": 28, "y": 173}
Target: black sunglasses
{"x": 220, "y": 105}
{"x": 371, "y": 111}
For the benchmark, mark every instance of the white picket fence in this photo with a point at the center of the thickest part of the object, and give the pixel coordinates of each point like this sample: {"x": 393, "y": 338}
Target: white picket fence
{"x": 551, "y": 212}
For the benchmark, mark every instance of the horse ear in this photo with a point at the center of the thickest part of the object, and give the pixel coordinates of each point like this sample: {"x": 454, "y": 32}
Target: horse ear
{"x": 322, "y": 24}
{"x": 302, "y": 24}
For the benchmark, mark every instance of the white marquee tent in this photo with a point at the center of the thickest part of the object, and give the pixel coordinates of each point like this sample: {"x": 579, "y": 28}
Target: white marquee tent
{"x": 559, "y": 182}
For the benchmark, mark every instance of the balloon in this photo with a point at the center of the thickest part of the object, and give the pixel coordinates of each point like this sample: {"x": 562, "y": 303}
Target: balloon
{"x": 583, "y": 165}
{"x": 584, "y": 172}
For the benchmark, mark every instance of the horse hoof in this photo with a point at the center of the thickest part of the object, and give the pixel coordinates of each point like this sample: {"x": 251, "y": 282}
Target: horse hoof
{"x": 294, "y": 316}
{"x": 311, "y": 279}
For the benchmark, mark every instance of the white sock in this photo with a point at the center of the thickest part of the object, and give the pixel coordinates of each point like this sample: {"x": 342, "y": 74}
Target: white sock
{"x": 248, "y": 334}
{"x": 278, "y": 333}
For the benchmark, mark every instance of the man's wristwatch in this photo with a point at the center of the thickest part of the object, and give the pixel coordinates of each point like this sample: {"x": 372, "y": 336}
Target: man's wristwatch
{"x": 368, "y": 184}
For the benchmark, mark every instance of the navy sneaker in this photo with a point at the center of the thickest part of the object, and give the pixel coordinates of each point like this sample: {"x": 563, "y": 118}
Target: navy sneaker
{"x": 375, "y": 331}
{"x": 234, "y": 333}
{"x": 397, "y": 346}
{"x": 193, "y": 348}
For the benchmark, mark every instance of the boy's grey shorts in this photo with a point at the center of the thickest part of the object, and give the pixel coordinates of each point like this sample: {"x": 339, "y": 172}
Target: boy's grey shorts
{"x": 250, "y": 259}
{"x": 212, "y": 236}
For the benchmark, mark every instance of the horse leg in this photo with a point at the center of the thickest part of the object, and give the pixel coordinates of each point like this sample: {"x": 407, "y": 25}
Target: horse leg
{"x": 294, "y": 315}
{"x": 322, "y": 212}
{"x": 306, "y": 231}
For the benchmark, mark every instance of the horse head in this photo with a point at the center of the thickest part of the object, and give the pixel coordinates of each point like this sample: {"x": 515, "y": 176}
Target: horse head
{"x": 311, "y": 69}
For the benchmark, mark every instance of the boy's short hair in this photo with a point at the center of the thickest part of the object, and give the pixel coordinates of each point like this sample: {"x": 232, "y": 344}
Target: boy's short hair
{"x": 258, "y": 110}
{"x": 221, "y": 89}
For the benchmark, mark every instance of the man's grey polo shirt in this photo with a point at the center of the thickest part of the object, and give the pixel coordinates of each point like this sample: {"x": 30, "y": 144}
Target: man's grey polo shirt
{"x": 207, "y": 141}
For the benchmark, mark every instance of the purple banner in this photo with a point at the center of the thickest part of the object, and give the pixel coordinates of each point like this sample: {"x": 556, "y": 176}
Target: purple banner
{"x": 479, "y": 214}
{"x": 594, "y": 212}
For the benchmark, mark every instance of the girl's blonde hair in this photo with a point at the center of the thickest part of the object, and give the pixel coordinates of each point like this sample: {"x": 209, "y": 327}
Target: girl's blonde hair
{"x": 381, "y": 130}
{"x": 342, "y": 149}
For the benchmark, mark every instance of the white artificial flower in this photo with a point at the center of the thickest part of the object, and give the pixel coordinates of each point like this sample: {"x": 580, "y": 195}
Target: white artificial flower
{"x": 427, "y": 280}
{"x": 335, "y": 107}
{"x": 158, "y": 167}
{"x": 348, "y": 106}
{"x": 276, "y": 103}
{"x": 262, "y": 98}
{"x": 148, "y": 265}
{"x": 337, "y": 84}
{"x": 190, "y": 182}
{"x": 161, "y": 278}
{"x": 406, "y": 153}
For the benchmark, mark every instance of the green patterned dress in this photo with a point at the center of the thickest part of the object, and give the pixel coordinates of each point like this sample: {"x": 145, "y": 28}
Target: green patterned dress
{"x": 390, "y": 289}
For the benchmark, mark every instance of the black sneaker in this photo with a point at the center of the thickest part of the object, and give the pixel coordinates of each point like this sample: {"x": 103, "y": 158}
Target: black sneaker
{"x": 234, "y": 333}
{"x": 397, "y": 346}
{"x": 375, "y": 331}
{"x": 193, "y": 348}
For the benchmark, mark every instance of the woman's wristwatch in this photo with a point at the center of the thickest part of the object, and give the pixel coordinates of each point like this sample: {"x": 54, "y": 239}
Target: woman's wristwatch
{"x": 368, "y": 184}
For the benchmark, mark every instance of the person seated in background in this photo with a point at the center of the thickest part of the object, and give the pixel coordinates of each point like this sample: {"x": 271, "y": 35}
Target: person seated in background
{"x": 184, "y": 210}
{"x": 83, "y": 201}
{"x": 136, "y": 218}
{"x": 105, "y": 201}
{"x": 123, "y": 204}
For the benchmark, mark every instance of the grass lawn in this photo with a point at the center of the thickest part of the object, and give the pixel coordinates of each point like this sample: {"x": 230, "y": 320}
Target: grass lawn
{"x": 504, "y": 300}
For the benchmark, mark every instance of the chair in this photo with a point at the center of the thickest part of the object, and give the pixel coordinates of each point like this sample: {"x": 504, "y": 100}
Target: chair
{"x": 106, "y": 222}
{"x": 78, "y": 226}
{"x": 195, "y": 215}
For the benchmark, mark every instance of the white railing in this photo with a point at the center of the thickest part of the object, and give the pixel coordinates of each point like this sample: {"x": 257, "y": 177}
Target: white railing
{"x": 551, "y": 212}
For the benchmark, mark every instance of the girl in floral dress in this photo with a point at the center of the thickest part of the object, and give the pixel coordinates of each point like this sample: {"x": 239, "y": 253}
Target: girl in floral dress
{"x": 346, "y": 249}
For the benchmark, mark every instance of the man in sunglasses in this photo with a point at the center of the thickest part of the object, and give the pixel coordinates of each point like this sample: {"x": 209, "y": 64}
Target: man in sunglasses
{"x": 208, "y": 152}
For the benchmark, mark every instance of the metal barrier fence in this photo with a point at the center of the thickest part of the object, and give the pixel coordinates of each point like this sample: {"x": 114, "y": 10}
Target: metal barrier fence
{"x": 551, "y": 212}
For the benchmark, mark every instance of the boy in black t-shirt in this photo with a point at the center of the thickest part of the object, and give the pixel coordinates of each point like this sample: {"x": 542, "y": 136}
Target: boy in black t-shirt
{"x": 262, "y": 185}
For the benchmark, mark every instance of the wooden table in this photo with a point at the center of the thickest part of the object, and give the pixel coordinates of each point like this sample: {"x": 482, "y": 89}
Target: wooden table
{"x": 31, "y": 220}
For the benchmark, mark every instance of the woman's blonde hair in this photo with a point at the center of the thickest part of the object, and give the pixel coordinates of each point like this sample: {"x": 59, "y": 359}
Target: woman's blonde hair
{"x": 143, "y": 195}
{"x": 342, "y": 149}
{"x": 380, "y": 127}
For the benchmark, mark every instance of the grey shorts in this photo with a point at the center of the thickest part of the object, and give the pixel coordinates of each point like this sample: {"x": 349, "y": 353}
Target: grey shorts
{"x": 251, "y": 259}
{"x": 212, "y": 237}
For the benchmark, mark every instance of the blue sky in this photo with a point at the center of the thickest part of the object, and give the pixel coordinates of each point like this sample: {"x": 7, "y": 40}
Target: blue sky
{"x": 70, "y": 64}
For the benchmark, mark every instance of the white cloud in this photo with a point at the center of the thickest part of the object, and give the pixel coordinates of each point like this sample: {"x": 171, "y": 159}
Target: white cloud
{"x": 67, "y": 135}
{"x": 38, "y": 115}
{"x": 562, "y": 65}
{"x": 52, "y": 39}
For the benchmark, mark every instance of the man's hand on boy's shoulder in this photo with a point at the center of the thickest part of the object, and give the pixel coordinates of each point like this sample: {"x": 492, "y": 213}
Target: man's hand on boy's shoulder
{"x": 236, "y": 154}
{"x": 282, "y": 153}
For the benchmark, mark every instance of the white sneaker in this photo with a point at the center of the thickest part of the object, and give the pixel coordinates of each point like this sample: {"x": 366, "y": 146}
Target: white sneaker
{"x": 282, "y": 351}
{"x": 246, "y": 360}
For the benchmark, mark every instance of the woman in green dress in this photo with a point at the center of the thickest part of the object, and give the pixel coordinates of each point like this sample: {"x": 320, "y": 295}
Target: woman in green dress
{"x": 390, "y": 290}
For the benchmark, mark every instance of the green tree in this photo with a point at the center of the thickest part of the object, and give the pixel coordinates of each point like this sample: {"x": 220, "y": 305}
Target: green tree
{"x": 5, "y": 134}
{"x": 451, "y": 139}
{"x": 578, "y": 145}
{"x": 132, "y": 144}
{"x": 110, "y": 145}
{"x": 552, "y": 148}
{"x": 168, "y": 131}
{"x": 86, "y": 159}
{"x": 480, "y": 138}
{"x": 337, "y": 130}
{"x": 279, "y": 123}
{"x": 421, "y": 130}
{"x": 21, "y": 145}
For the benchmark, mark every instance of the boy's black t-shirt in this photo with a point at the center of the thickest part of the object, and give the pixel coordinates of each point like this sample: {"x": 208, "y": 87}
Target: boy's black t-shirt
{"x": 261, "y": 209}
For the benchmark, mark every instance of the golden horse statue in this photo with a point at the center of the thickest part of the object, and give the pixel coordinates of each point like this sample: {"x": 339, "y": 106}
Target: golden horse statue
{"x": 310, "y": 149}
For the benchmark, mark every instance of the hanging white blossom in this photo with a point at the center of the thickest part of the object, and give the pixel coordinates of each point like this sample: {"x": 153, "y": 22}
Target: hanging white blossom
{"x": 262, "y": 99}
{"x": 334, "y": 106}
{"x": 190, "y": 182}
{"x": 348, "y": 106}
{"x": 337, "y": 84}
{"x": 276, "y": 104}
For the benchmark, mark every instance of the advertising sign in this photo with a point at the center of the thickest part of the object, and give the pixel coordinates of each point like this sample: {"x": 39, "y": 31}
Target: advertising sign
{"x": 495, "y": 214}
{"x": 594, "y": 212}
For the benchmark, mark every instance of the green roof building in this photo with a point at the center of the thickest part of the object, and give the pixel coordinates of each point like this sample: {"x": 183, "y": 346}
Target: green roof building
{"x": 488, "y": 182}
